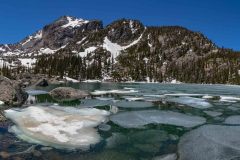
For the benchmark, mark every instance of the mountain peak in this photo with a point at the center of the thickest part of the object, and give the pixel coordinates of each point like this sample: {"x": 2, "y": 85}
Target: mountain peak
{"x": 70, "y": 21}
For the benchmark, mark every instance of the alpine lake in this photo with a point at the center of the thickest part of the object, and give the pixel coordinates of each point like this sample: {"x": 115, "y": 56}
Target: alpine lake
{"x": 145, "y": 121}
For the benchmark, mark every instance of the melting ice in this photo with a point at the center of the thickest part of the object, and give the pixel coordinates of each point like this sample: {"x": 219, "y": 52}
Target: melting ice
{"x": 137, "y": 119}
{"x": 59, "y": 127}
{"x": 211, "y": 142}
{"x": 190, "y": 101}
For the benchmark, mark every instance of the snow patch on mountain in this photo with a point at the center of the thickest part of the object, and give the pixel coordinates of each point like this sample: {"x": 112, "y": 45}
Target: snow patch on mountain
{"x": 38, "y": 35}
{"x": 7, "y": 46}
{"x": 27, "y": 62}
{"x": 74, "y": 22}
{"x": 2, "y": 49}
{"x": 28, "y": 40}
{"x": 86, "y": 51}
{"x": 12, "y": 53}
{"x": 132, "y": 27}
{"x": 80, "y": 42}
{"x": 115, "y": 48}
{"x": 49, "y": 50}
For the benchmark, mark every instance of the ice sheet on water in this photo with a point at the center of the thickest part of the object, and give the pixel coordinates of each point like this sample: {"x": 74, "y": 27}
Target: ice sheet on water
{"x": 147, "y": 141}
{"x": 213, "y": 113}
{"x": 102, "y": 92}
{"x": 133, "y": 104}
{"x": 233, "y": 108}
{"x": 190, "y": 101}
{"x": 104, "y": 98}
{"x": 208, "y": 97}
{"x": 94, "y": 103}
{"x": 36, "y": 92}
{"x": 183, "y": 94}
{"x": 137, "y": 119}
{"x": 154, "y": 95}
{"x": 233, "y": 120}
{"x": 229, "y": 99}
{"x": 128, "y": 98}
{"x": 59, "y": 127}
{"x": 211, "y": 142}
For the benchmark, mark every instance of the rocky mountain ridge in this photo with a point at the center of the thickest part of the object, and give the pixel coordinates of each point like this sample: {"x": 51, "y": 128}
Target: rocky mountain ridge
{"x": 124, "y": 50}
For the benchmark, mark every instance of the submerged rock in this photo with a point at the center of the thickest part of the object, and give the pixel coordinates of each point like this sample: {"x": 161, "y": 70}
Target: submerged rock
{"x": 148, "y": 141}
{"x": 11, "y": 92}
{"x": 211, "y": 142}
{"x": 137, "y": 119}
{"x": 59, "y": 127}
{"x": 104, "y": 127}
{"x": 67, "y": 93}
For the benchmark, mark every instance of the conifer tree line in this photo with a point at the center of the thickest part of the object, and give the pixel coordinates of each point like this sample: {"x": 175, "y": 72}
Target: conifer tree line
{"x": 214, "y": 68}
{"x": 93, "y": 66}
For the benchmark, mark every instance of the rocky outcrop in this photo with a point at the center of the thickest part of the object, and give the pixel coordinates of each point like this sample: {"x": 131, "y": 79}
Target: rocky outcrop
{"x": 42, "y": 83}
{"x": 67, "y": 93}
{"x": 124, "y": 31}
{"x": 52, "y": 37}
{"x": 11, "y": 92}
{"x": 28, "y": 79}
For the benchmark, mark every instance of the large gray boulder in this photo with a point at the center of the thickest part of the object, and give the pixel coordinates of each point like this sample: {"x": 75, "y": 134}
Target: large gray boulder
{"x": 67, "y": 93}
{"x": 11, "y": 92}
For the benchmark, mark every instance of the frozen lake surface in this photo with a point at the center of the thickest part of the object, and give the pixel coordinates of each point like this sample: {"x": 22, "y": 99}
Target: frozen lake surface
{"x": 127, "y": 121}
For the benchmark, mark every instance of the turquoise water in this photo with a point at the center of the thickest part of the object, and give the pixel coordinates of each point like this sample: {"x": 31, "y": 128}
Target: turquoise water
{"x": 119, "y": 141}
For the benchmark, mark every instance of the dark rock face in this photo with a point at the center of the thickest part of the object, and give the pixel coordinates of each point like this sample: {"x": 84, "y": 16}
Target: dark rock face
{"x": 56, "y": 35}
{"x": 28, "y": 79}
{"x": 11, "y": 92}
{"x": 124, "y": 31}
{"x": 53, "y": 36}
{"x": 67, "y": 93}
{"x": 42, "y": 83}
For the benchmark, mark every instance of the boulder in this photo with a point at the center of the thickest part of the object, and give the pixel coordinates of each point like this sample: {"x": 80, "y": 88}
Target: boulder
{"x": 67, "y": 93}
{"x": 28, "y": 79}
{"x": 42, "y": 83}
{"x": 11, "y": 92}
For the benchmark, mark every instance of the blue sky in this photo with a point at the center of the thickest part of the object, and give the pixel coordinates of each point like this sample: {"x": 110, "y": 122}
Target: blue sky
{"x": 219, "y": 20}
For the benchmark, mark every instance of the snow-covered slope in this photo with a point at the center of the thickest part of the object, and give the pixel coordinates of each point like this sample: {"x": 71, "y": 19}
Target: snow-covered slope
{"x": 48, "y": 40}
{"x": 115, "y": 48}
